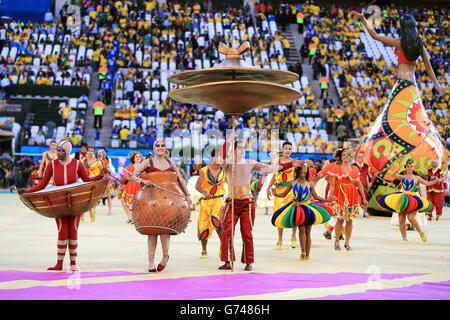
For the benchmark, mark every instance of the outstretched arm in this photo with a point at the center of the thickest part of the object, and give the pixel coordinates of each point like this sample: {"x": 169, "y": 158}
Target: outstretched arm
{"x": 286, "y": 191}
{"x": 317, "y": 197}
{"x": 374, "y": 35}
{"x": 427, "y": 183}
{"x": 269, "y": 191}
{"x": 430, "y": 71}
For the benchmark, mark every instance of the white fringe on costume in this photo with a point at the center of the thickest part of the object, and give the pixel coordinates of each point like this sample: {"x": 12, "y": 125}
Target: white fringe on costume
{"x": 263, "y": 202}
{"x": 195, "y": 195}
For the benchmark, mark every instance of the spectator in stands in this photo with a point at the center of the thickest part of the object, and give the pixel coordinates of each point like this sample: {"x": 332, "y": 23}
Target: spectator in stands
{"x": 51, "y": 126}
{"x": 124, "y": 135}
{"x": 84, "y": 99}
{"x": 48, "y": 16}
{"x": 115, "y": 132}
{"x": 342, "y": 133}
{"x": 75, "y": 139}
{"x": 39, "y": 139}
{"x": 64, "y": 111}
{"x": 6, "y": 89}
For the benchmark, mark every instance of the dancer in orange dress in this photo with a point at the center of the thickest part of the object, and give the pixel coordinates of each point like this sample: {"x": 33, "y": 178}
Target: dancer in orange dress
{"x": 130, "y": 188}
{"x": 347, "y": 188}
{"x": 329, "y": 227}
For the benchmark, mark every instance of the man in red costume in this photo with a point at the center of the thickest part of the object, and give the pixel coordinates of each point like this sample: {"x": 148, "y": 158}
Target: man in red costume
{"x": 244, "y": 203}
{"x": 364, "y": 176}
{"x": 436, "y": 193}
{"x": 65, "y": 170}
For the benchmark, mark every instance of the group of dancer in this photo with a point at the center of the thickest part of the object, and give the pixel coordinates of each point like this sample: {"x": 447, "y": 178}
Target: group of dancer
{"x": 296, "y": 205}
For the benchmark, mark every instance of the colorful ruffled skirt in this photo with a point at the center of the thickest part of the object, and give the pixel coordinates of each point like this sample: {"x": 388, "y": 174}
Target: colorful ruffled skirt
{"x": 297, "y": 213}
{"x": 110, "y": 189}
{"x": 405, "y": 202}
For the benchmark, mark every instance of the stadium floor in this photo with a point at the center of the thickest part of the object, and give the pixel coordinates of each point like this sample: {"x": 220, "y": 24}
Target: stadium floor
{"x": 112, "y": 258}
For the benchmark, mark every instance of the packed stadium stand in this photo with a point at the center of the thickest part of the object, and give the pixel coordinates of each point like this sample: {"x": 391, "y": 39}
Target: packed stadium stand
{"x": 122, "y": 52}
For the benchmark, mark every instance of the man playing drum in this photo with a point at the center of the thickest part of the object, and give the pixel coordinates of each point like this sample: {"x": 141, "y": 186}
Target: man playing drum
{"x": 244, "y": 204}
{"x": 63, "y": 171}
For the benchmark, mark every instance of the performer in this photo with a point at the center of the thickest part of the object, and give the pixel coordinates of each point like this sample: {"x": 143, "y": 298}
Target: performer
{"x": 259, "y": 185}
{"x": 79, "y": 155}
{"x": 281, "y": 181}
{"x": 262, "y": 201}
{"x": 47, "y": 157}
{"x": 436, "y": 193}
{"x": 345, "y": 186}
{"x": 93, "y": 166}
{"x": 406, "y": 202}
{"x": 194, "y": 172}
{"x": 110, "y": 190}
{"x": 211, "y": 184}
{"x": 301, "y": 211}
{"x": 364, "y": 177}
{"x": 403, "y": 127}
{"x": 244, "y": 203}
{"x": 65, "y": 170}
{"x": 130, "y": 187}
{"x": 160, "y": 162}
{"x": 329, "y": 226}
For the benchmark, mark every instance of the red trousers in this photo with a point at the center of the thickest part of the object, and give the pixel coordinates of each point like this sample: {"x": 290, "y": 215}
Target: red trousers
{"x": 68, "y": 227}
{"x": 68, "y": 235}
{"x": 242, "y": 212}
{"x": 437, "y": 199}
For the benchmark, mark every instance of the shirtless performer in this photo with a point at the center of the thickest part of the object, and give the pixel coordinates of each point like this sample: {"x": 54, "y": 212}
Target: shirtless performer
{"x": 244, "y": 203}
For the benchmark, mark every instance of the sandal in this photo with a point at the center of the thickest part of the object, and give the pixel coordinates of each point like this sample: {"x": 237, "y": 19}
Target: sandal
{"x": 337, "y": 247}
{"x": 303, "y": 256}
{"x": 293, "y": 243}
{"x": 278, "y": 245}
{"x": 346, "y": 246}
{"x": 424, "y": 237}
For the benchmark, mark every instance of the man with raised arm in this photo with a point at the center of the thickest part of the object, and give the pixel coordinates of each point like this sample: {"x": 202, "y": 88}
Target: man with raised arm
{"x": 244, "y": 204}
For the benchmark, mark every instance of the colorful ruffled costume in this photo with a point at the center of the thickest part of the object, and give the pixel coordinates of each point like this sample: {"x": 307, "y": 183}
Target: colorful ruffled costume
{"x": 210, "y": 213}
{"x": 406, "y": 200}
{"x": 130, "y": 189}
{"x": 346, "y": 191}
{"x": 256, "y": 183}
{"x": 301, "y": 210}
{"x": 282, "y": 180}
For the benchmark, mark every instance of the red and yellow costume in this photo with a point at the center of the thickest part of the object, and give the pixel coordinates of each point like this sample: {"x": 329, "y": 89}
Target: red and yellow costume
{"x": 46, "y": 158}
{"x": 346, "y": 192}
{"x": 282, "y": 179}
{"x": 131, "y": 188}
{"x": 210, "y": 213}
{"x": 436, "y": 192}
{"x": 363, "y": 176}
{"x": 110, "y": 190}
{"x": 63, "y": 174}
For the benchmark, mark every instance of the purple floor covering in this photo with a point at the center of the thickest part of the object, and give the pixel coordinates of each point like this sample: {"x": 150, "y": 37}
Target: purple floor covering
{"x": 188, "y": 288}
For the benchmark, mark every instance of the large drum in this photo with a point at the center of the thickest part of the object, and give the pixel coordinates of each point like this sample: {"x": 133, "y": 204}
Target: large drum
{"x": 162, "y": 208}
{"x": 68, "y": 200}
